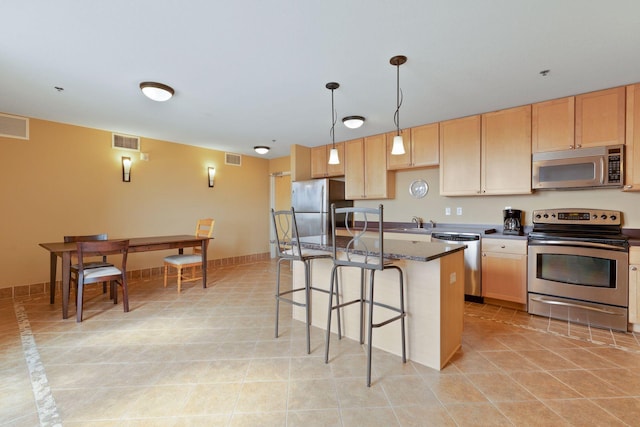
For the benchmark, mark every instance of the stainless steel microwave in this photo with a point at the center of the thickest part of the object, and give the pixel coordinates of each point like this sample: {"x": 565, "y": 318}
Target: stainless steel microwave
{"x": 580, "y": 168}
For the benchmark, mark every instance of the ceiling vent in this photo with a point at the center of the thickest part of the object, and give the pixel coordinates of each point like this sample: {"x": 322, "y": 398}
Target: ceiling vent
{"x": 232, "y": 159}
{"x": 14, "y": 126}
{"x": 125, "y": 142}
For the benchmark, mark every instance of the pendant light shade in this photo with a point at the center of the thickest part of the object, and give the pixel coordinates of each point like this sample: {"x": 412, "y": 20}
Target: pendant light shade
{"x": 333, "y": 157}
{"x": 398, "y": 143}
{"x": 398, "y": 146}
{"x": 156, "y": 91}
{"x": 333, "y": 154}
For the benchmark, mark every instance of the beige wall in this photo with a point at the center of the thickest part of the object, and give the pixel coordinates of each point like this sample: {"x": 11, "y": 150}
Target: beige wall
{"x": 68, "y": 180}
{"x": 488, "y": 209}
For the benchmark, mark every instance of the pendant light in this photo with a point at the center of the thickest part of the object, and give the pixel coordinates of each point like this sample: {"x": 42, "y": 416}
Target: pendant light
{"x": 333, "y": 153}
{"x": 398, "y": 144}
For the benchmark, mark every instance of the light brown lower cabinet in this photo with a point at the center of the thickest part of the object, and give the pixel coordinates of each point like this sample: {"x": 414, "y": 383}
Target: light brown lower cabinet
{"x": 504, "y": 269}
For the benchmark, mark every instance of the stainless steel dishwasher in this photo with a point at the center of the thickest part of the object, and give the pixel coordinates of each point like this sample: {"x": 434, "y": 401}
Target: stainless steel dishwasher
{"x": 472, "y": 261}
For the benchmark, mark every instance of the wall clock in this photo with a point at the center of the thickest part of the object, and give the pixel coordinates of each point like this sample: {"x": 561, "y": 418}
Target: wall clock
{"x": 418, "y": 188}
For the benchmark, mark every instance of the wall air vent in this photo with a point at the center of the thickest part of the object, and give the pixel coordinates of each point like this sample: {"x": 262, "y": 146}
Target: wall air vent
{"x": 14, "y": 126}
{"x": 232, "y": 159}
{"x": 125, "y": 142}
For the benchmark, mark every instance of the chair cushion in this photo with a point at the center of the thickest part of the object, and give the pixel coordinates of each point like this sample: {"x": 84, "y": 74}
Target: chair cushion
{"x": 101, "y": 271}
{"x": 183, "y": 259}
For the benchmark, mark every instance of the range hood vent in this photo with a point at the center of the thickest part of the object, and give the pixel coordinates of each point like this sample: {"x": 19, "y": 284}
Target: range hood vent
{"x": 125, "y": 142}
{"x": 14, "y": 126}
{"x": 232, "y": 159}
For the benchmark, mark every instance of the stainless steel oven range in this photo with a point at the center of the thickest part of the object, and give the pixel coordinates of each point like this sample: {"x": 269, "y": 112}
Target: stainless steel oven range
{"x": 578, "y": 267}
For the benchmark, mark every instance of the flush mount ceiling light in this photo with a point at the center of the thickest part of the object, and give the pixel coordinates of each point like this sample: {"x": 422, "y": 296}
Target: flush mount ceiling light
{"x": 261, "y": 149}
{"x": 333, "y": 153}
{"x": 156, "y": 91}
{"x": 398, "y": 144}
{"x": 353, "y": 122}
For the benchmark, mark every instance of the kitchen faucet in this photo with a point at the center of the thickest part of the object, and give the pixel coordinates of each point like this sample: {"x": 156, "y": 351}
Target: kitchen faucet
{"x": 433, "y": 224}
{"x": 418, "y": 221}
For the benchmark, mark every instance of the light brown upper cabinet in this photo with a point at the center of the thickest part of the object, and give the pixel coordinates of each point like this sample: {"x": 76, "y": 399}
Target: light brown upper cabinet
{"x": 553, "y": 125}
{"x": 460, "y": 156}
{"x": 506, "y": 151}
{"x": 366, "y": 175}
{"x": 632, "y": 148}
{"x": 421, "y": 148}
{"x": 487, "y": 154}
{"x": 320, "y": 167}
{"x": 600, "y": 118}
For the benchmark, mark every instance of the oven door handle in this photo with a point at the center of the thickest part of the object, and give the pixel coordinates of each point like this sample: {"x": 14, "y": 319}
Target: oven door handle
{"x": 582, "y": 244}
{"x": 570, "y": 304}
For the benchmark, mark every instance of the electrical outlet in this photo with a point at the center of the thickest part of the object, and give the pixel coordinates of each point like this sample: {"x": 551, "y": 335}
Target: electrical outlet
{"x": 447, "y": 211}
{"x": 458, "y": 211}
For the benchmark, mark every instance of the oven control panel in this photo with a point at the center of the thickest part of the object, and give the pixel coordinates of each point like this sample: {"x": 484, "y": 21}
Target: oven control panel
{"x": 577, "y": 216}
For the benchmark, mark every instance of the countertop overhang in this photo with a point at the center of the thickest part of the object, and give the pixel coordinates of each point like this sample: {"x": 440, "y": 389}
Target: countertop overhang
{"x": 393, "y": 249}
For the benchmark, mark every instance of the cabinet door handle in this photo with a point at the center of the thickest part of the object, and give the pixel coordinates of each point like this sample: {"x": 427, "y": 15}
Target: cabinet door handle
{"x": 484, "y": 254}
{"x": 634, "y": 268}
{"x": 502, "y": 246}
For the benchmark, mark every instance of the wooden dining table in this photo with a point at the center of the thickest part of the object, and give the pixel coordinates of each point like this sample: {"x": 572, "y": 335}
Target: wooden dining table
{"x": 136, "y": 244}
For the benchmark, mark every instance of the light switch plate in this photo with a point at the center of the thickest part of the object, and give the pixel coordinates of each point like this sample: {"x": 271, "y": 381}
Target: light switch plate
{"x": 458, "y": 211}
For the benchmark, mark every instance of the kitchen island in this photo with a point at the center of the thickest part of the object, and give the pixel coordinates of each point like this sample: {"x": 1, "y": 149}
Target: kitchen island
{"x": 434, "y": 298}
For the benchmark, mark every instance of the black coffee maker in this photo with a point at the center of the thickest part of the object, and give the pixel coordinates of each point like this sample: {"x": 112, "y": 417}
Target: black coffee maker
{"x": 512, "y": 221}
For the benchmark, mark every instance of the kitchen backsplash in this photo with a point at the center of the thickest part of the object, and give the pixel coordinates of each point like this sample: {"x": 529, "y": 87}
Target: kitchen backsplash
{"x": 488, "y": 209}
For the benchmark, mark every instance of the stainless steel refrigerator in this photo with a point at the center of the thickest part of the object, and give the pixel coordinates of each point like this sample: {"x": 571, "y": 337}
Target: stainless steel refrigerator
{"x": 312, "y": 202}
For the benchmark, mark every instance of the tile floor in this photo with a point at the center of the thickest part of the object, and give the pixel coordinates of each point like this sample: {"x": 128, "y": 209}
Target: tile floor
{"x": 208, "y": 357}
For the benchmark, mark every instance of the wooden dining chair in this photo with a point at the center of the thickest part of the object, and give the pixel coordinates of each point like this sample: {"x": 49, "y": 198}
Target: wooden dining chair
{"x": 111, "y": 273}
{"x": 204, "y": 228}
{"x": 88, "y": 264}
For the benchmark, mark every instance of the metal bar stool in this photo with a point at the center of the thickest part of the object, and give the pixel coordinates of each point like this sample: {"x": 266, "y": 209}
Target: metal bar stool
{"x": 289, "y": 249}
{"x": 367, "y": 254}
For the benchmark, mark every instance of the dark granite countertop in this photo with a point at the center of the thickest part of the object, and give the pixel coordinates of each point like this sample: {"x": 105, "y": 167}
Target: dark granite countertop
{"x": 487, "y": 231}
{"x": 393, "y": 249}
{"x": 634, "y": 235}
{"x": 490, "y": 231}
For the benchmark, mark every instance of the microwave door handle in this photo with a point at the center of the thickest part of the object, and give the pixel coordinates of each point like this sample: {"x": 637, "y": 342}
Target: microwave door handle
{"x": 601, "y": 170}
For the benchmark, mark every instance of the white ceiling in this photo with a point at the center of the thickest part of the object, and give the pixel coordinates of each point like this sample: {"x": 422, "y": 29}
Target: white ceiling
{"x": 247, "y": 72}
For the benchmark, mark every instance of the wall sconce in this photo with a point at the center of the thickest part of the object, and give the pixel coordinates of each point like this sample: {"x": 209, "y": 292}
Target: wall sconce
{"x": 211, "y": 173}
{"x": 126, "y": 169}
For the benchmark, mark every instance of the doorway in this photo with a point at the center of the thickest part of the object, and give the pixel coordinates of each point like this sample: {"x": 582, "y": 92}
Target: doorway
{"x": 280, "y": 198}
